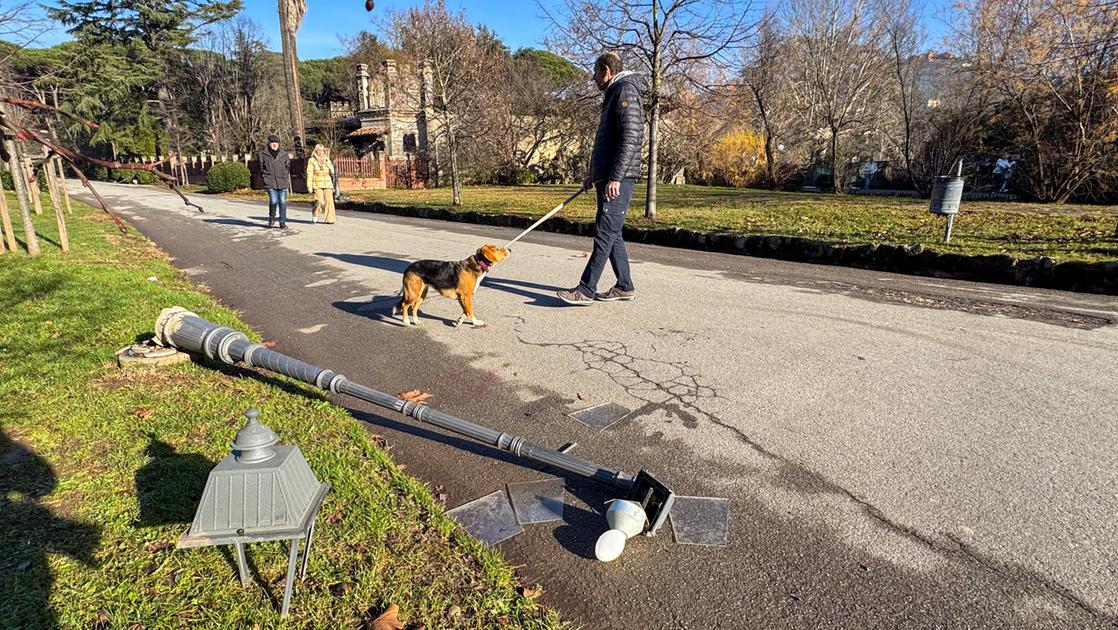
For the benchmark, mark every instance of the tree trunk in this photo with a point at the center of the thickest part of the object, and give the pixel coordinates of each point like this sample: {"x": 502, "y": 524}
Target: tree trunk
{"x": 19, "y": 182}
{"x": 653, "y": 167}
{"x": 291, "y": 77}
{"x": 438, "y": 165}
{"x": 32, "y": 183}
{"x": 770, "y": 159}
{"x": 455, "y": 186}
{"x": 836, "y": 176}
{"x": 654, "y": 114}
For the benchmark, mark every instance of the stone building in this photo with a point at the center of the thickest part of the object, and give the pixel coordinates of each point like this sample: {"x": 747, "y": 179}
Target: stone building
{"x": 392, "y": 112}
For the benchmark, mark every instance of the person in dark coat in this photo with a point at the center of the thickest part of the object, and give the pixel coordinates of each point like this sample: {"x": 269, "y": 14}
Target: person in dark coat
{"x": 615, "y": 165}
{"x": 275, "y": 169}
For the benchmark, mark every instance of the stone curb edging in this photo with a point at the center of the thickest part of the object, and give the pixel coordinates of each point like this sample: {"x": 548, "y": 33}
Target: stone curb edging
{"x": 915, "y": 259}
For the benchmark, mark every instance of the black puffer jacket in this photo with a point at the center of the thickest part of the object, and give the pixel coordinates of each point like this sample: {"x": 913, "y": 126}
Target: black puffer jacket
{"x": 620, "y": 137}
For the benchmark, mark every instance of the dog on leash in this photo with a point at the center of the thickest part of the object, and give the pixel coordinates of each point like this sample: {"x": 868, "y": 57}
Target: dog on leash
{"x": 452, "y": 279}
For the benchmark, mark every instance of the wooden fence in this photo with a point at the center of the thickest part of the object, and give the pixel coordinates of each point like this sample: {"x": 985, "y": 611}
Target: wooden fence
{"x": 353, "y": 173}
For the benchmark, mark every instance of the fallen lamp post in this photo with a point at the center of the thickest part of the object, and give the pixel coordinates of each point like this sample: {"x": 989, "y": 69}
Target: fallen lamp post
{"x": 259, "y": 492}
{"x": 179, "y": 328}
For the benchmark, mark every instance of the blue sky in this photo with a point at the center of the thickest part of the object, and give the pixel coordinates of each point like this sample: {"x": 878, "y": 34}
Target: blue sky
{"x": 518, "y": 22}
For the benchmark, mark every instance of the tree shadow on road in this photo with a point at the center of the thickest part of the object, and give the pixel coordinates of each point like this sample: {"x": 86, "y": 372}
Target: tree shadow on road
{"x": 380, "y": 308}
{"x": 543, "y": 296}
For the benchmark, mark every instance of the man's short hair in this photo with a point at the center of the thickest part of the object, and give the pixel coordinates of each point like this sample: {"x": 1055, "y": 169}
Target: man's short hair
{"x": 609, "y": 60}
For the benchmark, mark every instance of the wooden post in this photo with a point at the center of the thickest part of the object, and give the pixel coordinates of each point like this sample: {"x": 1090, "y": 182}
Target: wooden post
{"x": 6, "y": 220}
{"x": 5, "y": 223}
{"x": 59, "y": 218}
{"x": 32, "y": 185}
{"x": 46, "y": 167}
{"x": 19, "y": 182}
{"x": 62, "y": 184}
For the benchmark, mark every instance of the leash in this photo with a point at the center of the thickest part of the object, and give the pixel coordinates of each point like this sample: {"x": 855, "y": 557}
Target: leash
{"x": 534, "y": 226}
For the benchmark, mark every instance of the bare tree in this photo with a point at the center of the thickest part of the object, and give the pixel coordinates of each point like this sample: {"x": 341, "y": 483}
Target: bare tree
{"x": 253, "y": 101}
{"x": 765, "y": 80}
{"x": 18, "y": 27}
{"x": 1051, "y": 64}
{"x": 903, "y": 39}
{"x": 670, "y": 39}
{"x": 448, "y": 47}
{"x": 835, "y": 49}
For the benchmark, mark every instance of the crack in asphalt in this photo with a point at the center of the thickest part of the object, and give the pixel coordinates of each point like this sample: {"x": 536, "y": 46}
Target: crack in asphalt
{"x": 681, "y": 395}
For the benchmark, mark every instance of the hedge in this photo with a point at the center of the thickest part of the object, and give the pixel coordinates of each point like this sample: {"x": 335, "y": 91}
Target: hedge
{"x": 227, "y": 177}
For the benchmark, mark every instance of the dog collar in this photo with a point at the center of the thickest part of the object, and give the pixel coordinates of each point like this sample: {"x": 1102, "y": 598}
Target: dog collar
{"x": 483, "y": 263}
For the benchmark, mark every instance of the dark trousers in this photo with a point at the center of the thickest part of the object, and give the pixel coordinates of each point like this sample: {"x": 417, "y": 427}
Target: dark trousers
{"x": 277, "y": 200}
{"x": 608, "y": 244}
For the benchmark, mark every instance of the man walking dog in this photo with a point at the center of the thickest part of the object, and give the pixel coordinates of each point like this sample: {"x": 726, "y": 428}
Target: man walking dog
{"x": 615, "y": 165}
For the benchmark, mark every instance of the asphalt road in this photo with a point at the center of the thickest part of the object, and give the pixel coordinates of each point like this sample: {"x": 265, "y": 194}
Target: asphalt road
{"x": 898, "y": 451}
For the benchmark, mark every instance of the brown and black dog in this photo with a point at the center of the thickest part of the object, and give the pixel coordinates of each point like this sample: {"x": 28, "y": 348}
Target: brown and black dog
{"x": 452, "y": 279}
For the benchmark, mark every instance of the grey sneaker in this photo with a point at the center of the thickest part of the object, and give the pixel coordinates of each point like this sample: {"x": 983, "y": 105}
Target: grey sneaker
{"x": 574, "y": 296}
{"x": 616, "y": 295}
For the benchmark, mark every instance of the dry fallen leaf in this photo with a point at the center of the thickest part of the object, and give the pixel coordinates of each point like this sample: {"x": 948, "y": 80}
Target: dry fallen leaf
{"x": 387, "y": 620}
{"x": 159, "y": 545}
{"x": 341, "y": 588}
{"x": 415, "y": 396}
{"x": 271, "y": 343}
{"x": 582, "y": 396}
{"x": 531, "y": 593}
{"x": 582, "y": 254}
{"x": 143, "y": 413}
{"x": 454, "y": 611}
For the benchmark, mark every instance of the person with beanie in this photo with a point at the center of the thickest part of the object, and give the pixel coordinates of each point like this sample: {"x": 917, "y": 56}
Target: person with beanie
{"x": 275, "y": 170}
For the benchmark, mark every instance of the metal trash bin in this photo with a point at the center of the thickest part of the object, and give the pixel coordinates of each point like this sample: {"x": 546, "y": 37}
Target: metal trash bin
{"x": 947, "y": 196}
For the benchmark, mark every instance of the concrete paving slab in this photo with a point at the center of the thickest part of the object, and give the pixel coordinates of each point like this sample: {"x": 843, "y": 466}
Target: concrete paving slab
{"x": 701, "y": 521}
{"x": 490, "y": 518}
{"x": 537, "y": 501}
{"x": 601, "y": 416}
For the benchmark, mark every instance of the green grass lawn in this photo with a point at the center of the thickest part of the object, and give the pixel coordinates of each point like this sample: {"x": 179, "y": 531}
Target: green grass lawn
{"x": 101, "y": 470}
{"x": 1025, "y": 230}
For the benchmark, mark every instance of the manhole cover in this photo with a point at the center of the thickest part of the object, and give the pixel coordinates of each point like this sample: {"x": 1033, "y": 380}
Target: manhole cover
{"x": 490, "y": 519}
{"x": 701, "y": 520}
{"x": 601, "y": 416}
{"x": 537, "y": 501}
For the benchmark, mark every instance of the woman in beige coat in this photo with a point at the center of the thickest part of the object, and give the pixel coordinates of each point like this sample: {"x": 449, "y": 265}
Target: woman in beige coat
{"x": 320, "y": 183}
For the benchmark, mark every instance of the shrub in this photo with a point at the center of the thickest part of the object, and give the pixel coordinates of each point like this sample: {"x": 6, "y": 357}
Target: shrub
{"x": 129, "y": 176}
{"x": 227, "y": 177}
{"x": 738, "y": 159}
{"x": 513, "y": 175}
{"x": 6, "y": 177}
{"x": 97, "y": 173}
{"x": 145, "y": 177}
